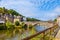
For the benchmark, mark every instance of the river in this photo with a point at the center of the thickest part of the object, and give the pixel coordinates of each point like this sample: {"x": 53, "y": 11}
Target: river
{"x": 10, "y": 35}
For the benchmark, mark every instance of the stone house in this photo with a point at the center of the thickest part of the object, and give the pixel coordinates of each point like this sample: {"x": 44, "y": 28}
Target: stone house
{"x": 18, "y": 18}
{"x": 11, "y": 18}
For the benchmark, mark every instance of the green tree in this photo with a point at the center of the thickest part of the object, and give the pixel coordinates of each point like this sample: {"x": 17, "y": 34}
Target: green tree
{"x": 17, "y": 23}
{"x": 13, "y": 12}
{"x": 32, "y": 19}
{"x": 30, "y": 26}
{"x": 55, "y": 20}
{"x": 25, "y": 27}
{"x": 0, "y": 10}
{"x": 9, "y": 25}
{"x": 3, "y": 10}
{"x": 2, "y": 27}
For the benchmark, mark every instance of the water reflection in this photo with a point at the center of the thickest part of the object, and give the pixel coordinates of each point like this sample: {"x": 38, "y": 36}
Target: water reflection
{"x": 40, "y": 28}
{"x": 6, "y": 34}
{"x": 18, "y": 35}
{"x": 13, "y": 35}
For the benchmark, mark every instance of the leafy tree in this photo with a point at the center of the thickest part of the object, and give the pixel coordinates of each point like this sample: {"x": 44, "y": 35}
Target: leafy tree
{"x": 0, "y": 10}
{"x": 25, "y": 27}
{"x": 30, "y": 26}
{"x": 2, "y": 27}
{"x": 3, "y": 10}
{"x": 17, "y": 23}
{"x": 13, "y": 12}
{"x": 9, "y": 24}
{"x": 31, "y": 19}
{"x": 10, "y": 11}
{"x": 55, "y": 20}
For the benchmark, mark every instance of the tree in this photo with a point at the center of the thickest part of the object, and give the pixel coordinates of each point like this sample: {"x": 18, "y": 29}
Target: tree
{"x": 55, "y": 20}
{"x": 31, "y": 19}
{"x": 17, "y": 23}
{"x": 25, "y": 27}
{"x": 2, "y": 26}
{"x": 13, "y": 12}
{"x": 3, "y": 10}
{"x": 10, "y": 11}
{"x": 0, "y": 10}
{"x": 9, "y": 25}
{"x": 30, "y": 26}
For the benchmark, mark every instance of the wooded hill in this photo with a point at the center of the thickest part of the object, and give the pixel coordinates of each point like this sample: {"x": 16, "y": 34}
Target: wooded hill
{"x": 3, "y": 10}
{"x": 10, "y": 11}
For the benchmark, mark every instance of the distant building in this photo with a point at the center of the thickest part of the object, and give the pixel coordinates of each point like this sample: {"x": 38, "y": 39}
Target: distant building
{"x": 18, "y": 18}
{"x": 11, "y": 18}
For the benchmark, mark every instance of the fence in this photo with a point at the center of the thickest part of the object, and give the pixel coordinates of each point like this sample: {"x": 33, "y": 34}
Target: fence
{"x": 47, "y": 34}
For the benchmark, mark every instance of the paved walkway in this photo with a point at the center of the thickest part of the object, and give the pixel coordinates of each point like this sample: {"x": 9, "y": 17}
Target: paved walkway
{"x": 58, "y": 36}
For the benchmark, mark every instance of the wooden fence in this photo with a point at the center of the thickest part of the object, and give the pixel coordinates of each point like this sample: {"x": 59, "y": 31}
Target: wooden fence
{"x": 47, "y": 34}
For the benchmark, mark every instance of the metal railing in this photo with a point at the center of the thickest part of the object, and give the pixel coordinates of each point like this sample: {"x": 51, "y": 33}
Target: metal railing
{"x": 47, "y": 34}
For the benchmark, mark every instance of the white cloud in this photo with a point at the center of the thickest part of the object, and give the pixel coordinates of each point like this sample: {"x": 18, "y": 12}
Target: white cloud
{"x": 57, "y": 10}
{"x": 26, "y": 8}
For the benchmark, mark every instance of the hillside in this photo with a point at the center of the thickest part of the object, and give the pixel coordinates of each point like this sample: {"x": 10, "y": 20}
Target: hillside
{"x": 3, "y": 10}
{"x": 10, "y": 11}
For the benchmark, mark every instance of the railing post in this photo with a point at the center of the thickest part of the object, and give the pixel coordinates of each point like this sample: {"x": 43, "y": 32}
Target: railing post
{"x": 51, "y": 33}
{"x": 43, "y": 35}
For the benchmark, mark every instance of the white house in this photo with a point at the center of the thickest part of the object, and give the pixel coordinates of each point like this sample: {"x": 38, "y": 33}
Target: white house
{"x": 17, "y": 18}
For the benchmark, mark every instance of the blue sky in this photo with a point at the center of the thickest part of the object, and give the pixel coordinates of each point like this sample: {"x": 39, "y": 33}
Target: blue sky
{"x": 40, "y": 9}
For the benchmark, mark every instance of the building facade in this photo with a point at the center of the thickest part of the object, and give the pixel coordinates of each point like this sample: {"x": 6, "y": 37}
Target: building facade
{"x": 18, "y": 18}
{"x": 11, "y": 18}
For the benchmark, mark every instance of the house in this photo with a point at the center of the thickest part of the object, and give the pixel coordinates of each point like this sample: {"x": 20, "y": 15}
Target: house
{"x": 11, "y": 18}
{"x": 18, "y": 18}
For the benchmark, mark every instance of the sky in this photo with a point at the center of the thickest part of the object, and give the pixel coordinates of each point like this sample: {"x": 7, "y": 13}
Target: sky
{"x": 40, "y": 9}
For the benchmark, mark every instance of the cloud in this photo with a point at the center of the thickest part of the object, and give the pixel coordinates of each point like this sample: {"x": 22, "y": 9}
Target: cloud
{"x": 41, "y": 9}
{"x": 57, "y": 10}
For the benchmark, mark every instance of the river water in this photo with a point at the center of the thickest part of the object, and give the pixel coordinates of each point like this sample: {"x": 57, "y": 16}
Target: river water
{"x": 40, "y": 28}
{"x": 10, "y": 35}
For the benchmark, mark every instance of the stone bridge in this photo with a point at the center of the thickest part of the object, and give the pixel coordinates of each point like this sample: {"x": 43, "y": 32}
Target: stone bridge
{"x": 42, "y": 23}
